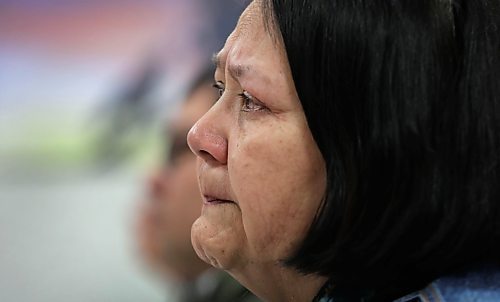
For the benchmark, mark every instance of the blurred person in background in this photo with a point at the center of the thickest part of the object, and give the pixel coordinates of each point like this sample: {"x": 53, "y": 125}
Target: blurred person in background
{"x": 173, "y": 204}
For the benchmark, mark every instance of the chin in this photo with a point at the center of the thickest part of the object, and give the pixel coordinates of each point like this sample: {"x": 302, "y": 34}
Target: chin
{"x": 216, "y": 244}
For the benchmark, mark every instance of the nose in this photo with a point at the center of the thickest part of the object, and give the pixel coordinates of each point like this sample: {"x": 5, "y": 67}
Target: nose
{"x": 207, "y": 141}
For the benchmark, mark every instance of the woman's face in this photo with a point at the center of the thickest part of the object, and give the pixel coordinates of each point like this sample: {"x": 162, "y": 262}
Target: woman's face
{"x": 260, "y": 172}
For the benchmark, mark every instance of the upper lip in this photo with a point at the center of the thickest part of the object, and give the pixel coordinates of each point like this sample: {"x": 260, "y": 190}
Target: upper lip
{"x": 210, "y": 194}
{"x": 215, "y": 189}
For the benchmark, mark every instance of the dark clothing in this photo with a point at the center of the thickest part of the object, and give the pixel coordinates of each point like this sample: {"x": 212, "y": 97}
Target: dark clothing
{"x": 481, "y": 285}
{"x": 217, "y": 286}
{"x": 477, "y": 285}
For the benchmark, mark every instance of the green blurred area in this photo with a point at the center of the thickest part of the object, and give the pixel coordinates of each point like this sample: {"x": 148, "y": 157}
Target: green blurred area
{"x": 41, "y": 143}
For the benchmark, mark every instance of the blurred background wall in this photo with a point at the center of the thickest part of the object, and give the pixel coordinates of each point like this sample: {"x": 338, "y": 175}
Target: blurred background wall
{"x": 84, "y": 88}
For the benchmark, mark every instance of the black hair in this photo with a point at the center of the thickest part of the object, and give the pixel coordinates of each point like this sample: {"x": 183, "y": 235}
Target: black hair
{"x": 204, "y": 77}
{"x": 178, "y": 144}
{"x": 403, "y": 100}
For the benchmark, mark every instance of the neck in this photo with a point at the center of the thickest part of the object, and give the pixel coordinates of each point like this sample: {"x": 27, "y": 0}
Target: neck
{"x": 277, "y": 283}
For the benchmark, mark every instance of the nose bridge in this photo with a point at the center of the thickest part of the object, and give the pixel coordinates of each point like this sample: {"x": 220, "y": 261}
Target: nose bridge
{"x": 207, "y": 139}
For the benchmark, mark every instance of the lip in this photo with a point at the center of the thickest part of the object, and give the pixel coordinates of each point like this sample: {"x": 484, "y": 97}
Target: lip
{"x": 214, "y": 185}
{"x": 212, "y": 200}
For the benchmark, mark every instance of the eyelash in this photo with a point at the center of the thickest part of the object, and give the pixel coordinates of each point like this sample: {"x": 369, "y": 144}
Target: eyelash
{"x": 249, "y": 103}
{"x": 220, "y": 87}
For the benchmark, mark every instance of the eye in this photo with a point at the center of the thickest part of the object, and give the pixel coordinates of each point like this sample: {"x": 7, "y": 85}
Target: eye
{"x": 220, "y": 87}
{"x": 249, "y": 103}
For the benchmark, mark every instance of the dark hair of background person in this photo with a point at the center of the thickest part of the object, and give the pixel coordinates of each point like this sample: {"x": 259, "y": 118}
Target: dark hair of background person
{"x": 205, "y": 77}
{"x": 403, "y": 100}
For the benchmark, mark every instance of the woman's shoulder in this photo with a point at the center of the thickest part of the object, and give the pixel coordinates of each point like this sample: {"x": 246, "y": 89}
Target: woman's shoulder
{"x": 480, "y": 285}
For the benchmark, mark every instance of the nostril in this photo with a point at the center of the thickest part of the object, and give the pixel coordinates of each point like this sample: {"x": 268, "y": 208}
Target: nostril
{"x": 206, "y": 155}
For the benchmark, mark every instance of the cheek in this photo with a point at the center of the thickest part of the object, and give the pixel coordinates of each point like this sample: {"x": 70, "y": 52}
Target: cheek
{"x": 279, "y": 179}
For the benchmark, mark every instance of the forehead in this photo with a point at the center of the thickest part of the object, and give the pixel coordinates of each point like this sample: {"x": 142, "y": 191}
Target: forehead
{"x": 250, "y": 17}
{"x": 248, "y": 32}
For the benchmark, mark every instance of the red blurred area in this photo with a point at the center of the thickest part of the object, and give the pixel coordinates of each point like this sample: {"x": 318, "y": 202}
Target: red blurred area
{"x": 104, "y": 29}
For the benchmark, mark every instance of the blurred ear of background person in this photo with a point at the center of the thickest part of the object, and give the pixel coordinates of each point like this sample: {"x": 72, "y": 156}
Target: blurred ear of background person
{"x": 173, "y": 203}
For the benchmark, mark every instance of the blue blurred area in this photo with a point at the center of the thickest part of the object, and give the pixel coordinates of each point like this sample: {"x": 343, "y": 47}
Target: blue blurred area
{"x": 85, "y": 87}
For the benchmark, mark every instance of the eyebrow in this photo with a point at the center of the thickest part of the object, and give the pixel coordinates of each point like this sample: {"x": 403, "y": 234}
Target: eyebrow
{"x": 236, "y": 71}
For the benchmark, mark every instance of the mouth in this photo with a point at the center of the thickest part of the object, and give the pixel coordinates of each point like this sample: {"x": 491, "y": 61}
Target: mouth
{"x": 211, "y": 200}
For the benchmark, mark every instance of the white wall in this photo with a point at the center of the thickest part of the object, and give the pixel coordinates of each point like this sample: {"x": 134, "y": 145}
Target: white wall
{"x": 71, "y": 240}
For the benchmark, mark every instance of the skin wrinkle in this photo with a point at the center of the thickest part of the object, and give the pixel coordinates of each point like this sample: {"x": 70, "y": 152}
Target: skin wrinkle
{"x": 256, "y": 82}
{"x": 253, "y": 81}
